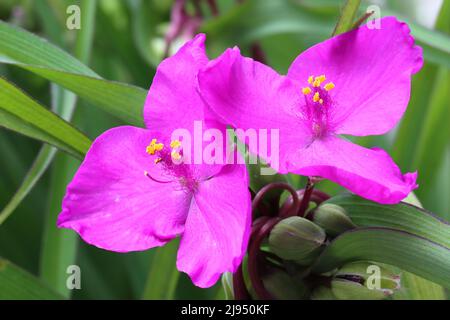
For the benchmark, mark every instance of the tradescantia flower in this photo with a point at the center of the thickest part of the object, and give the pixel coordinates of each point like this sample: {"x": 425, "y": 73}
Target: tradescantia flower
{"x": 133, "y": 191}
{"x": 357, "y": 83}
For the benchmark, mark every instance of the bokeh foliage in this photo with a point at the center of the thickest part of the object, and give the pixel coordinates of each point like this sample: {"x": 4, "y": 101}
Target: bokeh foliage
{"x": 122, "y": 40}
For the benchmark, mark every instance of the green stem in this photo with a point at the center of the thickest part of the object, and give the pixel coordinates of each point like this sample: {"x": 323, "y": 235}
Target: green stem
{"x": 60, "y": 246}
{"x": 163, "y": 263}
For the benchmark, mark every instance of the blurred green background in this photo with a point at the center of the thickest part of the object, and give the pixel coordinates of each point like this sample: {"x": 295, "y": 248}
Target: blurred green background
{"x": 128, "y": 44}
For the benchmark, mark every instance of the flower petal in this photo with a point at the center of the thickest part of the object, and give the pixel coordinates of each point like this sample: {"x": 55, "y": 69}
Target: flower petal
{"x": 217, "y": 227}
{"x": 113, "y": 205}
{"x": 371, "y": 70}
{"x": 251, "y": 96}
{"x": 173, "y": 103}
{"x": 370, "y": 173}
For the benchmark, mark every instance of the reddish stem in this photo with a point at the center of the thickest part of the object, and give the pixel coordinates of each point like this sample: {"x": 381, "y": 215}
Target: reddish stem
{"x": 276, "y": 185}
{"x": 306, "y": 197}
{"x": 254, "y": 257}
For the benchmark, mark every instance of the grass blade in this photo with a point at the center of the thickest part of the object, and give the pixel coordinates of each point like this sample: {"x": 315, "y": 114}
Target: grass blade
{"x": 20, "y": 113}
{"x": 163, "y": 263}
{"x": 16, "y": 283}
{"x": 25, "y": 50}
{"x": 346, "y": 20}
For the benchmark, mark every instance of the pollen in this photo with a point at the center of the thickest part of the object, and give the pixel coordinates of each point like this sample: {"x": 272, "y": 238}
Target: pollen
{"x": 175, "y": 144}
{"x": 329, "y": 86}
{"x": 154, "y": 146}
{"x": 321, "y": 101}
{"x": 306, "y": 90}
{"x": 310, "y": 79}
{"x": 316, "y": 97}
{"x": 318, "y": 80}
{"x": 175, "y": 155}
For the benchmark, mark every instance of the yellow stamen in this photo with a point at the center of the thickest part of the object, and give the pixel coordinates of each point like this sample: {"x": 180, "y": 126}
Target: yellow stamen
{"x": 175, "y": 155}
{"x": 316, "y": 97}
{"x": 306, "y": 90}
{"x": 321, "y": 101}
{"x": 175, "y": 144}
{"x": 329, "y": 86}
{"x": 318, "y": 81}
{"x": 153, "y": 147}
{"x": 158, "y": 160}
{"x": 310, "y": 79}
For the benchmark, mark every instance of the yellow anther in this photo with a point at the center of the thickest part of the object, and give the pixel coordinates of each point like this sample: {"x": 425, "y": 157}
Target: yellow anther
{"x": 321, "y": 78}
{"x": 175, "y": 155}
{"x": 329, "y": 86}
{"x": 306, "y": 90}
{"x": 316, "y": 97}
{"x": 318, "y": 81}
{"x": 150, "y": 150}
{"x": 175, "y": 144}
{"x": 153, "y": 147}
{"x": 158, "y": 160}
{"x": 321, "y": 101}
{"x": 310, "y": 79}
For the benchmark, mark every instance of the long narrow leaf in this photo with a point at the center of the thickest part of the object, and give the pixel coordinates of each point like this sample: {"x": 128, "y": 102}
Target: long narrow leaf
{"x": 399, "y": 248}
{"x": 20, "y": 113}
{"x": 16, "y": 283}
{"x": 347, "y": 17}
{"x": 32, "y": 53}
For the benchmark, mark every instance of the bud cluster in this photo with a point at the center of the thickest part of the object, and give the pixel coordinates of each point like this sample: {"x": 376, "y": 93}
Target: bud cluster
{"x": 285, "y": 245}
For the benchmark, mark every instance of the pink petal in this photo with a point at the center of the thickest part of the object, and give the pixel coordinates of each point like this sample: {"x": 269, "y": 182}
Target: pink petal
{"x": 173, "y": 101}
{"x": 249, "y": 95}
{"x": 371, "y": 69}
{"x": 113, "y": 205}
{"x": 370, "y": 173}
{"x": 217, "y": 227}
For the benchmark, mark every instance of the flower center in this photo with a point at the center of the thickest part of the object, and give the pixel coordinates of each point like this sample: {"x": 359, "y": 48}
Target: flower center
{"x": 173, "y": 167}
{"x": 317, "y": 104}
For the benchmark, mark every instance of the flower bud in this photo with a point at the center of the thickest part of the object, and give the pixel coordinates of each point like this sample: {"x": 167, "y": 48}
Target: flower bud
{"x": 364, "y": 281}
{"x": 322, "y": 293}
{"x": 333, "y": 219}
{"x": 297, "y": 239}
{"x": 282, "y": 286}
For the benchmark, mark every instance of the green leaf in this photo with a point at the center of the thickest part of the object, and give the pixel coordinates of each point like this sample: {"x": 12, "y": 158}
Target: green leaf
{"x": 254, "y": 19}
{"x": 59, "y": 246}
{"x": 347, "y": 17}
{"x": 402, "y": 216}
{"x": 38, "y": 168}
{"x": 16, "y": 283}
{"x": 418, "y": 288}
{"x": 20, "y": 113}
{"x": 163, "y": 263}
{"x": 405, "y": 250}
{"x": 32, "y": 53}
{"x": 426, "y": 159}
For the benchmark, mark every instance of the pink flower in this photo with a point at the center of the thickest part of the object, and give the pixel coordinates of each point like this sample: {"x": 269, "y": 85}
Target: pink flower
{"x": 131, "y": 194}
{"x": 357, "y": 83}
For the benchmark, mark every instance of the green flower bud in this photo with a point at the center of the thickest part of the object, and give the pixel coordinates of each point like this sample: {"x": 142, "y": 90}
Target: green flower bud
{"x": 364, "y": 281}
{"x": 333, "y": 219}
{"x": 297, "y": 239}
{"x": 282, "y": 286}
{"x": 322, "y": 293}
